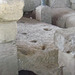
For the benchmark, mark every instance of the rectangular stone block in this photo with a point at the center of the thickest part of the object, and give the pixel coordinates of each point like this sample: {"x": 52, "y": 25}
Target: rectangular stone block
{"x": 73, "y": 6}
{"x": 65, "y": 39}
{"x": 67, "y": 61}
{"x": 8, "y": 59}
{"x": 43, "y": 14}
{"x": 8, "y": 31}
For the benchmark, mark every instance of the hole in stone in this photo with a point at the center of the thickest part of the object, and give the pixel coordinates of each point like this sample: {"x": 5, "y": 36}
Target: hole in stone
{"x": 24, "y": 33}
{"x": 34, "y": 41}
{"x": 43, "y": 47}
{"x": 26, "y": 72}
{"x": 68, "y": 51}
{"x": 46, "y": 29}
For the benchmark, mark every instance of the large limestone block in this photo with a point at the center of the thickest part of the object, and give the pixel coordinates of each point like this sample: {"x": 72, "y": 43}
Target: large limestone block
{"x": 36, "y": 49}
{"x": 8, "y": 31}
{"x": 65, "y": 39}
{"x": 11, "y": 10}
{"x": 67, "y": 61}
{"x": 43, "y": 14}
{"x": 8, "y": 59}
{"x": 59, "y": 3}
{"x": 30, "y": 5}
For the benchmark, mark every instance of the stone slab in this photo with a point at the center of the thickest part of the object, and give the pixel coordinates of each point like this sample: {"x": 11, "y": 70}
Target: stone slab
{"x": 8, "y": 59}
{"x": 8, "y": 31}
{"x": 36, "y": 49}
{"x": 67, "y": 60}
{"x": 65, "y": 39}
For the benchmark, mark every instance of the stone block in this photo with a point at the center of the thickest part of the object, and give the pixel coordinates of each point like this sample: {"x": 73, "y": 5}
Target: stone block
{"x": 43, "y": 14}
{"x": 11, "y": 10}
{"x": 59, "y": 3}
{"x": 65, "y": 39}
{"x": 70, "y": 22}
{"x": 30, "y": 5}
{"x": 8, "y": 31}
{"x": 73, "y": 6}
{"x": 36, "y": 49}
{"x": 8, "y": 59}
{"x": 60, "y": 16}
{"x": 67, "y": 60}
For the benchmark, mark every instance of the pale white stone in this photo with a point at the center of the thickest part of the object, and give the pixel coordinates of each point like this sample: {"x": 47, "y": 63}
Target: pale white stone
{"x": 11, "y": 10}
{"x": 65, "y": 39}
{"x": 43, "y": 14}
{"x": 67, "y": 60}
{"x": 8, "y": 31}
{"x": 8, "y": 59}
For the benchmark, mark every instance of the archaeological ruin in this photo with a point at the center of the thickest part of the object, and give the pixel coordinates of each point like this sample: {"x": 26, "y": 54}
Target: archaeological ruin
{"x": 37, "y": 37}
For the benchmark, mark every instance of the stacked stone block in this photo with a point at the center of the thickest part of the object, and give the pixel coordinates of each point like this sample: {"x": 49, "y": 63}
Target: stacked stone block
{"x": 10, "y": 12}
{"x": 65, "y": 41}
{"x": 43, "y": 14}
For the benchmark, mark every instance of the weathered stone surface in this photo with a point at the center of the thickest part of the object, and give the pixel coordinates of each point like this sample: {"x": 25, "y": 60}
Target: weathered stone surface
{"x": 36, "y": 49}
{"x": 61, "y": 15}
{"x": 67, "y": 60}
{"x": 59, "y": 3}
{"x": 8, "y": 59}
{"x": 11, "y": 10}
{"x": 73, "y": 6}
{"x": 43, "y": 14}
{"x": 31, "y": 4}
{"x": 65, "y": 39}
{"x": 8, "y": 31}
{"x": 70, "y": 22}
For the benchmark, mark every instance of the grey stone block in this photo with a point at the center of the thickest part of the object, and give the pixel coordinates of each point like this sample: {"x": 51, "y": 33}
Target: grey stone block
{"x": 65, "y": 39}
{"x": 43, "y": 14}
{"x": 8, "y": 59}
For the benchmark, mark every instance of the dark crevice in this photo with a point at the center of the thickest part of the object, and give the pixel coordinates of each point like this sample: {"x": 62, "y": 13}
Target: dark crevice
{"x": 34, "y": 41}
{"x": 26, "y": 72}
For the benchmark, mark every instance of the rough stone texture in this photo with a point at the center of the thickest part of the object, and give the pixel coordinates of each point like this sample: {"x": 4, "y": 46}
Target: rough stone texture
{"x": 8, "y": 31}
{"x": 70, "y": 22}
{"x": 65, "y": 39}
{"x": 43, "y": 14}
{"x": 31, "y": 4}
{"x": 72, "y": 4}
{"x": 67, "y": 60}
{"x": 11, "y": 10}
{"x": 59, "y": 3}
{"x": 61, "y": 15}
{"x": 36, "y": 49}
{"x": 8, "y": 59}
